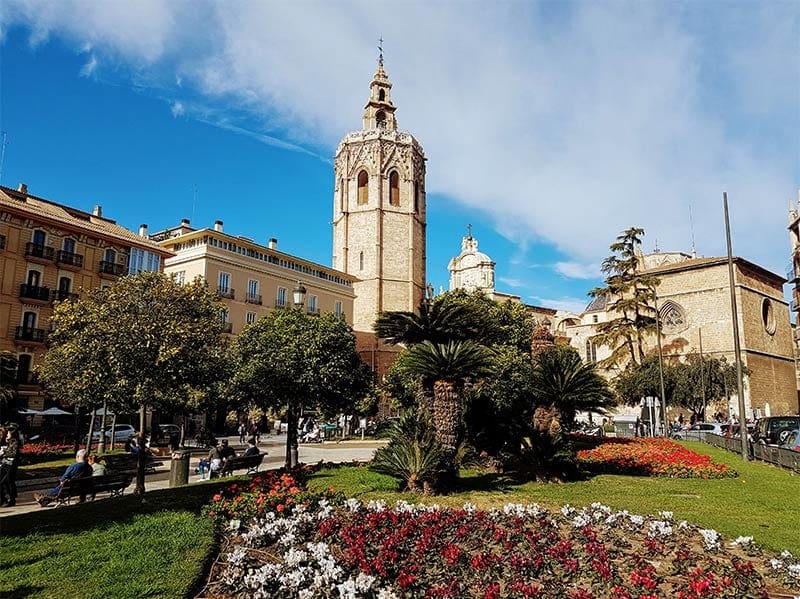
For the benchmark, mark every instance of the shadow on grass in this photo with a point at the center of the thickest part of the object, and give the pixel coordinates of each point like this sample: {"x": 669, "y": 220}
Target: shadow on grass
{"x": 21, "y": 592}
{"x": 96, "y": 515}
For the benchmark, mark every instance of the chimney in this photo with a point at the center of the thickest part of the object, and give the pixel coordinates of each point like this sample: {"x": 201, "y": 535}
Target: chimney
{"x": 272, "y": 243}
{"x": 98, "y": 211}
{"x": 142, "y": 230}
{"x": 23, "y": 188}
{"x": 218, "y": 226}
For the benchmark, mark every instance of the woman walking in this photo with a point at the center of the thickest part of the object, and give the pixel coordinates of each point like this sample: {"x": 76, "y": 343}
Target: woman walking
{"x": 9, "y": 459}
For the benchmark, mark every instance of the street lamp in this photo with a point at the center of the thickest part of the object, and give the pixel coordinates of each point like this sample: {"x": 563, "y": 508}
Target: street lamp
{"x": 299, "y": 298}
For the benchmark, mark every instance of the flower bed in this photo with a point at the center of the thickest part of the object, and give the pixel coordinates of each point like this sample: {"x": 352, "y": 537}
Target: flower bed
{"x": 330, "y": 548}
{"x": 37, "y": 452}
{"x": 651, "y": 457}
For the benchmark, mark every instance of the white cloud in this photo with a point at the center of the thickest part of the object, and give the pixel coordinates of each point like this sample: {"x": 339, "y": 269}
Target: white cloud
{"x": 576, "y": 270}
{"x": 563, "y": 122}
{"x": 90, "y": 67}
{"x": 512, "y": 282}
{"x": 568, "y": 304}
{"x": 178, "y": 109}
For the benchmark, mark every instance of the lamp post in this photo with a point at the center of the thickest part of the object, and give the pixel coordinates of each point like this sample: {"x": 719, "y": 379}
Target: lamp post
{"x": 661, "y": 366}
{"x": 299, "y": 299}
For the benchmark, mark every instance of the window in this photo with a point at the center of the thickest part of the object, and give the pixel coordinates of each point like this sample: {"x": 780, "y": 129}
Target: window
{"x": 252, "y": 288}
{"x": 594, "y": 318}
{"x": 250, "y": 317}
{"x": 29, "y": 321}
{"x": 38, "y": 238}
{"x": 24, "y": 364}
{"x": 179, "y": 277}
{"x": 280, "y": 300}
{"x": 69, "y": 245}
{"x": 381, "y": 95}
{"x": 110, "y": 256}
{"x": 591, "y": 352}
{"x": 64, "y": 284}
{"x": 224, "y": 282}
{"x": 672, "y": 317}
{"x": 768, "y": 316}
{"x": 394, "y": 188}
{"x": 34, "y": 278}
{"x": 380, "y": 119}
{"x": 361, "y": 261}
{"x": 363, "y": 189}
{"x": 416, "y": 196}
{"x": 337, "y": 308}
{"x": 143, "y": 261}
{"x": 312, "y": 304}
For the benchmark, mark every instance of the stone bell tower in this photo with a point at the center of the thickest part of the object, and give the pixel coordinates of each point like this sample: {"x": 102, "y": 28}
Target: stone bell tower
{"x": 379, "y": 210}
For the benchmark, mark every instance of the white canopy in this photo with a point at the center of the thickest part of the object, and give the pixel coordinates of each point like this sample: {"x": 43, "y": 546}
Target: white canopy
{"x": 55, "y": 412}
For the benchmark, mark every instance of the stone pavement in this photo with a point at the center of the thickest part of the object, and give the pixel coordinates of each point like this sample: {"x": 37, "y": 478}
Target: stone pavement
{"x": 274, "y": 445}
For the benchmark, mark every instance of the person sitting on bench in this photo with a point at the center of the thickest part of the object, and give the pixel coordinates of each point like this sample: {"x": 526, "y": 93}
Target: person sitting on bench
{"x": 79, "y": 469}
{"x": 252, "y": 449}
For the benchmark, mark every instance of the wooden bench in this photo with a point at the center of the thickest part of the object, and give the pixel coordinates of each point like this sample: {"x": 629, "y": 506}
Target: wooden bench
{"x": 250, "y": 462}
{"x": 114, "y": 484}
{"x": 129, "y": 462}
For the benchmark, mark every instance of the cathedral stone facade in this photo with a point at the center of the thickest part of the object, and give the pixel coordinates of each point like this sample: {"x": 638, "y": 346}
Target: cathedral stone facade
{"x": 471, "y": 270}
{"x": 379, "y": 210}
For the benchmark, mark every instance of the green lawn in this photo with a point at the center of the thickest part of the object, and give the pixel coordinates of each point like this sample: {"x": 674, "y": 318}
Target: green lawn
{"x": 761, "y": 502}
{"x": 110, "y": 548}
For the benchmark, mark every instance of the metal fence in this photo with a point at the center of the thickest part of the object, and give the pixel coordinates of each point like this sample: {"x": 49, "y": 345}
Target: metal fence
{"x": 766, "y": 453}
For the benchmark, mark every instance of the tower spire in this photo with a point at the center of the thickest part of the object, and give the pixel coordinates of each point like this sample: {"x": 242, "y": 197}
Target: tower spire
{"x": 379, "y": 111}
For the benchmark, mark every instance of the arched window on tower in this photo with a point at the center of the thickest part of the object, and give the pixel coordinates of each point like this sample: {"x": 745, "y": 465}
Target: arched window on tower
{"x": 342, "y": 204}
{"x": 394, "y": 188}
{"x": 381, "y": 95}
{"x": 363, "y": 190}
{"x": 380, "y": 119}
{"x": 416, "y": 196}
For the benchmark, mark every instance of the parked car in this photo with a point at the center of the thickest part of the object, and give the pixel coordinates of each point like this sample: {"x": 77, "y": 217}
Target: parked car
{"x": 792, "y": 441}
{"x": 698, "y": 431}
{"x": 171, "y": 432}
{"x": 773, "y": 430}
{"x": 121, "y": 432}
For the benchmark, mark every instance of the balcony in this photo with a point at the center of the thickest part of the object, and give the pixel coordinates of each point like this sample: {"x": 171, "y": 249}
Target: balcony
{"x": 226, "y": 293}
{"x": 110, "y": 269}
{"x": 60, "y": 295}
{"x": 30, "y": 334}
{"x": 253, "y": 298}
{"x": 69, "y": 259}
{"x": 39, "y": 253}
{"x": 227, "y": 327}
{"x": 34, "y": 293}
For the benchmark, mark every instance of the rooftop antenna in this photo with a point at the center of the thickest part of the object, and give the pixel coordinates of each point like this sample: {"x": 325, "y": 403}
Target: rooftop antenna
{"x": 655, "y": 249}
{"x": 691, "y": 232}
{"x": 3, "y": 144}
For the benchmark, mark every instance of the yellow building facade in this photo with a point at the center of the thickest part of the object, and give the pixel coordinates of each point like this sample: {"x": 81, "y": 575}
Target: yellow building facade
{"x": 250, "y": 278}
{"x": 48, "y": 253}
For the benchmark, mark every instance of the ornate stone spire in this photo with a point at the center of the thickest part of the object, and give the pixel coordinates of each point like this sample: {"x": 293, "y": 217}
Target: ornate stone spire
{"x": 541, "y": 339}
{"x": 379, "y": 111}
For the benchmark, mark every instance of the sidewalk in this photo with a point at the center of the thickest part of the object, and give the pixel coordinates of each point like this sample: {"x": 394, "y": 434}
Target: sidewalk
{"x": 274, "y": 446}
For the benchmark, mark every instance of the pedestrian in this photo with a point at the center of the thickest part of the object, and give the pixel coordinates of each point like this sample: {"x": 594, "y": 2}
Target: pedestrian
{"x": 254, "y": 431}
{"x": 242, "y": 432}
{"x": 9, "y": 460}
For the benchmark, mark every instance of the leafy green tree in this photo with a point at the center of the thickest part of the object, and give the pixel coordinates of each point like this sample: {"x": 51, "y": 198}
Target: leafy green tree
{"x": 145, "y": 341}
{"x": 629, "y": 294}
{"x": 450, "y": 365}
{"x": 642, "y": 380}
{"x": 8, "y": 383}
{"x": 437, "y": 321}
{"x": 289, "y": 358}
{"x": 561, "y": 379}
{"x": 702, "y": 382}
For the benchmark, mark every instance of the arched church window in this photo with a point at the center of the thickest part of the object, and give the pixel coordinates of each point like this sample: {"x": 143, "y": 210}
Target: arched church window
{"x": 394, "y": 188}
{"x": 768, "y": 317}
{"x": 363, "y": 192}
{"x": 672, "y": 317}
{"x": 380, "y": 119}
{"x": 381, "y": 95}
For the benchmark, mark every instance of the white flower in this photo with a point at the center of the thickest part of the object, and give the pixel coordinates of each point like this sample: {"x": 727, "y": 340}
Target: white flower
{"x": 741, "y": 541}
{"x": 352, "y": 504}
{"x": 470, "y": 508}
{"x": 794, "y": 570}
{"x": 659, "y": 528}
{"x": 377, "y": 505}
{"x": 711, "y": 538}
{"x": 237, "y": 556}
{"x": 786, "y": 554}
{"x": 386, "y": 594}
{"x": 776, "y": 564}
{"x": 665, "y": 515}
{"x": 234, "y": 524}
{"x": 636, "y": 520}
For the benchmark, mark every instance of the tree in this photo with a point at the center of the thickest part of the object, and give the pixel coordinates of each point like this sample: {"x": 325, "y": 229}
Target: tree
{"x": 144, "y": 341}
{"x": 8, "y": 381}
{"x": 628, "y": 293}
{"x": 562, "y": 380}
{"x": 700, "y": 382}
{"x": 288, "y": 357}
{"x": 450, "y": 365}
{"x": 642, "y": 380}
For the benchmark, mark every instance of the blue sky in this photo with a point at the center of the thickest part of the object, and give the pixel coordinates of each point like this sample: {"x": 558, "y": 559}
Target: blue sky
{"x": 549, "y": 127}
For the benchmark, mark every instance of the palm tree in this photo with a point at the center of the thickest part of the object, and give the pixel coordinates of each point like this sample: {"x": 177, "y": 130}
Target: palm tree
{"x": 561, "y": 379}
{"x": 449, "y": 365}
{"x": 436, "y": 321}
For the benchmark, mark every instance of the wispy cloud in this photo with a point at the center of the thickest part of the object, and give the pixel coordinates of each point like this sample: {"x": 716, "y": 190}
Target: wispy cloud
{"x": 512, "y": 282}
{"x": 178, "y": 109}
{"x": 576, "y": 270}
{"x": 88, "y": 69}
{"x": 564, "y": 123}
{"x": 568, "y": 304}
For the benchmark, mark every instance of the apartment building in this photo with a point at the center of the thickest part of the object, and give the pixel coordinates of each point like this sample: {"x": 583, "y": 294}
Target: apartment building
{"x": 253, "y": 279}
{"x": 48, "y": 253}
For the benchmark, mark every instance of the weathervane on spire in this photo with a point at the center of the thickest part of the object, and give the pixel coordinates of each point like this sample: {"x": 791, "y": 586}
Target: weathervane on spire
{"x": 469, "y": 231}
{"x": 380, "y": 50}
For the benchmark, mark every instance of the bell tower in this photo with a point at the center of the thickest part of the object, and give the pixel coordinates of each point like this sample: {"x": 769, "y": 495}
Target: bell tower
{"x": 379, "y": 210}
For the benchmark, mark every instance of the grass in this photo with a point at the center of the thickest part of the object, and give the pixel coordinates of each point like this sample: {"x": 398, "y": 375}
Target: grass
{"x": 759, "y": 503}
{"x": 110, "y": 548}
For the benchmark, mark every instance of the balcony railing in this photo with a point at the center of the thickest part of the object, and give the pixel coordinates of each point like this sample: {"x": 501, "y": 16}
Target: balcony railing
{"x": 227, "y": 327}
{"x": 226, "y": 292}
{"x": 30, "y": 334}
{"x": 253, "y": 298}
{"x": 60, "y": 295}
{"x": 34, "y": 292}
{"x": 110, "y": 268}
{"x": 34, "y": 250}
{"x": 69, "y": 258}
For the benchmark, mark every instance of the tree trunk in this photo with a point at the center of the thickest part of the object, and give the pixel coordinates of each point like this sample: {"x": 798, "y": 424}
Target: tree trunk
{"x": 91, "y": 432}
{"x": 446, "y": 421}
{"x": 423, "y": 397}
{"x": 142, "y": 456}
{"x": 102, "y": 445}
